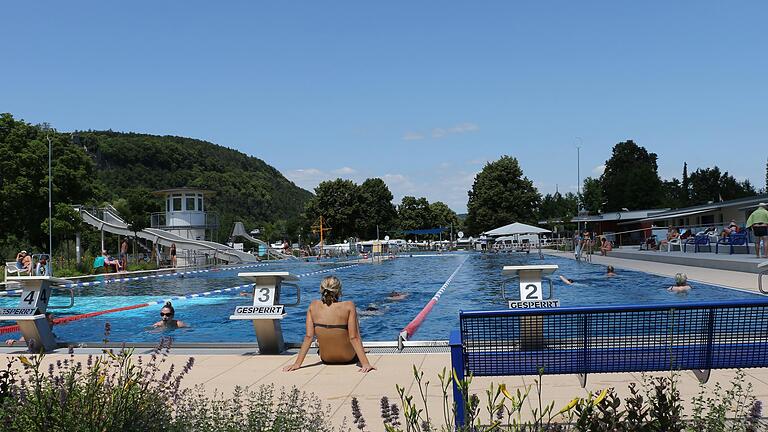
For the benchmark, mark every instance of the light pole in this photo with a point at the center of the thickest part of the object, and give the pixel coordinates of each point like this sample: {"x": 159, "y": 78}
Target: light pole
{"x": 50, "y": 208}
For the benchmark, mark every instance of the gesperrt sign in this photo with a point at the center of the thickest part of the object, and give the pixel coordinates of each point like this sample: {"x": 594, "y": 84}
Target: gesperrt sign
{"x": 537, "y": 304}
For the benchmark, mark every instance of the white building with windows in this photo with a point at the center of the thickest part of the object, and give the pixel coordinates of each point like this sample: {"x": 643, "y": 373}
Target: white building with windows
{"x": 185, "y": 214}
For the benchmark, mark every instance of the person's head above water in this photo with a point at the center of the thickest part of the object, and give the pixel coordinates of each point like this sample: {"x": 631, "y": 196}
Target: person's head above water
{"x": 681, "y": 279}
{"x": 330, "y": 289}
{"x": 167, "y": 312}
{"x": 610, "y": 269}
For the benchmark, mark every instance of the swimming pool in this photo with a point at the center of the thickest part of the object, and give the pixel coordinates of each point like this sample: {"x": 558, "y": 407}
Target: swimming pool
{"x": 476, "y": 286}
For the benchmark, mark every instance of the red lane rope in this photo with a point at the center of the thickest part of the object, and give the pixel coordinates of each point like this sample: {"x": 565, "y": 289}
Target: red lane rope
{"x": 409, "y": 330}
{"x": 14, "y": 328}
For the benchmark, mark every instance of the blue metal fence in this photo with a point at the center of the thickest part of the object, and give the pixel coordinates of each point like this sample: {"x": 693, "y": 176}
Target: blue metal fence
{"x": 633, "y": 338}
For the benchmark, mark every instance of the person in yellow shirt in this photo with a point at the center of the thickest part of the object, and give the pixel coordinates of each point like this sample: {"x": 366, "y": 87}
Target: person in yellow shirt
{"x": 758, "y": 221}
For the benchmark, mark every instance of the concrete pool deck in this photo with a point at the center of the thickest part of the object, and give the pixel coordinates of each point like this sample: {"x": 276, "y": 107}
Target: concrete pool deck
{"x": 223, "y": 370}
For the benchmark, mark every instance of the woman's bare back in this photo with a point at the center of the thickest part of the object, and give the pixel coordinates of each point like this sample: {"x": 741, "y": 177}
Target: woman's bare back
{"x": 331, "y": 324}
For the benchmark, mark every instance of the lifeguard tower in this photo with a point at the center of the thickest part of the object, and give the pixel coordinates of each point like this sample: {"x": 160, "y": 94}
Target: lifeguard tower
{"x": 185, "y": 216}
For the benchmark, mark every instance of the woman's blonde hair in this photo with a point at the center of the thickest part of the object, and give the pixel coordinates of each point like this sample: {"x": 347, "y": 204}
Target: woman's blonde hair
{"x": 330, "y": 289}
{"x": 681, "y": 279}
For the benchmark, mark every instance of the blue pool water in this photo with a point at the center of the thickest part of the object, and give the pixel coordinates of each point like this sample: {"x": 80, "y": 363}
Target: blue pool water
{"x": 476, "y": 286}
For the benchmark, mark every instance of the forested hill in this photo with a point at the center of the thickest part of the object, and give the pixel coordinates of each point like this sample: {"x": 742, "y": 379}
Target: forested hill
{"x": 246, "y": 187}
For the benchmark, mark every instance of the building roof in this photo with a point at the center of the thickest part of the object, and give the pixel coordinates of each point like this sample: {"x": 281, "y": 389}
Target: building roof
{"x": 619, "y": 216}
{"x": 165, "y": 192}
{"x": 740, "y": 204}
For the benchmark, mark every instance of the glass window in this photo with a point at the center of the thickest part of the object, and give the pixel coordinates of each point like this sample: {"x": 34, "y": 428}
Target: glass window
{"x": 708, "y": 220}
{"x": 199, "y": 204}
{"x": 176, "y": 203}
{"x": 168, "y": 205}
{"x": 190, "y": 203}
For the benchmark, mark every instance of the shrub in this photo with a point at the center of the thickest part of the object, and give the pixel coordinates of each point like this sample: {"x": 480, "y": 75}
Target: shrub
{"x": 117, "y": 392}
{"x": 656, "y": 407}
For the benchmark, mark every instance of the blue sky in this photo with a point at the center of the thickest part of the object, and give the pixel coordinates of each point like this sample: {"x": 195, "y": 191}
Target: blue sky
{"x": 422, "y": 93}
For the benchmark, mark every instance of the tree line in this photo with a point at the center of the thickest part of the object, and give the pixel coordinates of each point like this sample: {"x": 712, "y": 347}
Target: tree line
{"x": 501, "y": 194}
{"x": 92, "y": 168}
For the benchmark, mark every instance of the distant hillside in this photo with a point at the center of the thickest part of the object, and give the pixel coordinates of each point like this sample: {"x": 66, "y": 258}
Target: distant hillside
{"x": 246, "y": 187}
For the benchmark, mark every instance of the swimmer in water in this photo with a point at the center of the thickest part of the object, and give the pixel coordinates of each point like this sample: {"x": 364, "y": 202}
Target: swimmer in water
{"x": 610, "y": 271}
{"x": 681, "y": 284}
{"x": 167, "y": 319}
{"x": 396, "y": 295}
{"x": 566, "y": 280}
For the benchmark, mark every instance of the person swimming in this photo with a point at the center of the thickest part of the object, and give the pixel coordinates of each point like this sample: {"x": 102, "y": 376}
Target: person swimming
{"x": 610, "y": 271}
{"x": 167, "y": 319}
{"x": 397, "y": 295}
{"x": 566, "y": 280}
{"x": 681, "y": 284}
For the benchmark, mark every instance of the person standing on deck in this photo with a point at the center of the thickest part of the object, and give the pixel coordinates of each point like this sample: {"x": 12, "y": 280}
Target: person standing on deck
{"x": 758, "y": 221}
{"x": 124, "y": 253}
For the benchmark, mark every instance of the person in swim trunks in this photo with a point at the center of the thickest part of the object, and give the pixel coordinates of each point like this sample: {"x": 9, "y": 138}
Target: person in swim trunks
{"x": 336, "y": 327}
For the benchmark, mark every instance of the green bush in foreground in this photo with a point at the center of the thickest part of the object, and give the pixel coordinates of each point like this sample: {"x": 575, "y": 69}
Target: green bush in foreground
{"x": 656, "y": 407}
{"x": 121, "y": 392}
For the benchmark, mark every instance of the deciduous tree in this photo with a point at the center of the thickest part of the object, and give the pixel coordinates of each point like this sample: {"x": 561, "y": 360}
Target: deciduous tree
{"x": 501, "y": 195}
{"x": 631, "y": 178}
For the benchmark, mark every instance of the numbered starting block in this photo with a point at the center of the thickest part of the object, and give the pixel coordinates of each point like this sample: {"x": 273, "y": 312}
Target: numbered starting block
{"x": 30, "y": 313}
{"x": 531, "y": 296}
{"x": 267, "y": 309}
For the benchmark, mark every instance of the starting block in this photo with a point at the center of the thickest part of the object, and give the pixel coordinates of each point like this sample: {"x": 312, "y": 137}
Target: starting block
{"x": 267, "y": 309}
{"x": 30, "y": 313}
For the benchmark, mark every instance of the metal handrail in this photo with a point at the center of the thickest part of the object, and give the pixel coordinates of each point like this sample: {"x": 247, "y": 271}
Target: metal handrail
{"x": 760, "y": 276}
{"x": 71, "y": 299}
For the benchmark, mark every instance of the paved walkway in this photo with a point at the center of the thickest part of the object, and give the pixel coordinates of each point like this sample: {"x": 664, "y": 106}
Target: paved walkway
{"x": 337, "y": 385}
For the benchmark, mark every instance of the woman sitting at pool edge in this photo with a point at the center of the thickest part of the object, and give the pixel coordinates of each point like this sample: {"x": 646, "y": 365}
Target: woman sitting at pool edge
{"x": 336, "y": 327}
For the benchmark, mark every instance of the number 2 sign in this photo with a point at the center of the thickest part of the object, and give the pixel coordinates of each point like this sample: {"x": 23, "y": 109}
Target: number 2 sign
{"x": 530, "y": 291}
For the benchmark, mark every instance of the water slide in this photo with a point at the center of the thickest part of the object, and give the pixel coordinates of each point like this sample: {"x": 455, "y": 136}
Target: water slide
{"x": 239, "y": 231}
{"x": 112, "y": 223}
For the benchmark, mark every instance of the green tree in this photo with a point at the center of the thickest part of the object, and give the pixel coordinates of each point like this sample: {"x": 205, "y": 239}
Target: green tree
{"x": 24, "y": 178}
{"x": 709, "y": 184}
{"x": 558, "y": 207}
{"x": 631, "y": 178}
{"x": 336, "y": 201}
{"x": 592, "y": 195}
{"x": 414, "y": 213}
{"x": 684, "y": 193}
{"x": 501, "y": 195}
{"x": 375, "y": 208}
{"x": 136, "y": 206}
{"x": 443, "y": 216}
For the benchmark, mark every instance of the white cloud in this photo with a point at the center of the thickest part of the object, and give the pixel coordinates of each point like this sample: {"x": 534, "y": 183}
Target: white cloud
{"x": 598, "y": 170}
{"x": 438, "y": 133}
{"x": 412, "y": 136}
{"x": 344, "y": 171}
{"x": 441, "y": 132}
{"x": 464, "y": 127}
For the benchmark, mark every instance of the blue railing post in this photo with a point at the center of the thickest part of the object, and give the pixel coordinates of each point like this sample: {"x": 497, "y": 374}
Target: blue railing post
{"x": 457, "y": 365}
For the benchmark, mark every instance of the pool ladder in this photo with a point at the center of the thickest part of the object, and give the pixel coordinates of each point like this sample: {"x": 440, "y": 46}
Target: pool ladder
{"x": 763, "y": 266}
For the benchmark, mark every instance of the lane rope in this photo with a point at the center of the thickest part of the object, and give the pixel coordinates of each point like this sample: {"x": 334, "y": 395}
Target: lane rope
{"x": 409, "y": 330}
{"x": 136, "y": 278}
{"x": 63, "y": 320}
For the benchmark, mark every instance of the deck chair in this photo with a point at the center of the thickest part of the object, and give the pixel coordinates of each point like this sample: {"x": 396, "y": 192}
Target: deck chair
{"x": 736, "y": 239}
{"x": 11, "y": 269}
{"x": 699, "y": 239}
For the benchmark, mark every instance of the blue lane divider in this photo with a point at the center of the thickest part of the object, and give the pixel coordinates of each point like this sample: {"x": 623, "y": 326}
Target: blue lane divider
{"x": 136, "y": 278}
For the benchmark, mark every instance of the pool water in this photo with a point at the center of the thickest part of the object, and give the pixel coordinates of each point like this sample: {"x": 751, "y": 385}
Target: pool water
{"x": 476, "y": 286}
